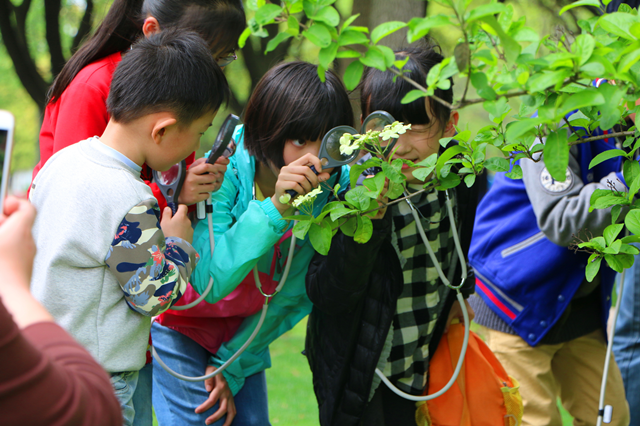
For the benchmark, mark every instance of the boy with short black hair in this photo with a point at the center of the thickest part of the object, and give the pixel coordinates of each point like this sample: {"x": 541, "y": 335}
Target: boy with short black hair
{"x": 102, "y": 258}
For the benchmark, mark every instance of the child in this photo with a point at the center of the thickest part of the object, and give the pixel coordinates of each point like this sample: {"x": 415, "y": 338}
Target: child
{"x": 286, "y": 117}
{"x": 102, "y": 288}
{"x": 77, "y": 107}
{"x": 543, "y": 320}
{"x": 381, "y": 304}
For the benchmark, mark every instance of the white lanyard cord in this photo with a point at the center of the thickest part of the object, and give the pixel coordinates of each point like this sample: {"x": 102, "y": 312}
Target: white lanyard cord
{"x": 444, "y": 279}
{"x": 263, "y": 314}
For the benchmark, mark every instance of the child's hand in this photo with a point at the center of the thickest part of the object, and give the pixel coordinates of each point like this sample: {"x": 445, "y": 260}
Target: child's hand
{"x": 298, "y": 176}
{"x": 178, "y": 225}
{"x": 202, "y": 179}
{"x": 218, "y": 392}
{"x": 456, "y": 313}
{"x": 17, "y": 247}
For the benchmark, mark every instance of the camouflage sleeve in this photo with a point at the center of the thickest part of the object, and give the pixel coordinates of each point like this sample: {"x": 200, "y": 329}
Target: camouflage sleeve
{"x": 152, "y": 270}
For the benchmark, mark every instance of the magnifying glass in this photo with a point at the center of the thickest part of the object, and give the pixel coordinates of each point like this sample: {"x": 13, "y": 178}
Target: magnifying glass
{"x": 376, "y": 122}
{"x": 170, "y": 183}
{"x": 224, "y": 145}
{"x": 329, "y": 154}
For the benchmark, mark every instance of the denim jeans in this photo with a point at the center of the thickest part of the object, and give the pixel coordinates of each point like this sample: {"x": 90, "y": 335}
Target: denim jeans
{"x": 175, "y": 400}
{"x": 626, "y": 343}
{"x": 133, "y": 390}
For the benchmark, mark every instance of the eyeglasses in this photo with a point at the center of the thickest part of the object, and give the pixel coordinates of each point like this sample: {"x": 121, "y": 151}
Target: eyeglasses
{"x": 226, "y": 60}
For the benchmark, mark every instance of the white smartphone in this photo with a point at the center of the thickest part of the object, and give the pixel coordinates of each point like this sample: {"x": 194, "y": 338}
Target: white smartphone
{"x": 7, "y": 124}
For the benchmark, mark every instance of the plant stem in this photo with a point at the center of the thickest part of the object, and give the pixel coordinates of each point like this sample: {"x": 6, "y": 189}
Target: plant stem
{"x": 597, "y": 138}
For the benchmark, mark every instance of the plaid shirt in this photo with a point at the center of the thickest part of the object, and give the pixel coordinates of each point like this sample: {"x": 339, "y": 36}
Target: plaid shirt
{"x": 423, "y": 295}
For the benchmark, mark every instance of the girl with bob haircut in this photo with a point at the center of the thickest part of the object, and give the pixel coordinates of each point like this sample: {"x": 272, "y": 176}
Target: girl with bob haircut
{"x": 286, "y": 118}
{"x": 382, "y": 304}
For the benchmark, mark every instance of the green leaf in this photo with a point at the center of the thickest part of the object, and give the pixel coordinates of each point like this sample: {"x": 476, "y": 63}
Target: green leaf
{"x": 447, "y": 155}
{"x": 425, "y": 167}
{"x": 385, "y": 29}
{"x": 593, "y": 69}
{"x": 469, "y": 180}
{"x": 267, "y": 13}
{"x": 349, "y": 21}
{"x": 632, "y": 221}
{"x": 628, "y": 61}
{"x": 327, "y": 55}
{"x": 606, "y": 155}
{"x": 301, "y": 228}
{"x": 497, "y": 164}
{"x": 556, "y": 155}
{"x": 610, "y": 113}
{"x": 374, "y": 59}
{"x": 392, "y": 173}
{"x": 611, "y": 232}
{"x": 615, "y": 213}
{"x": 243, "y": 37}
{"x": 515, "y": 129}
{"x": 328, "y": 15}
{"x": 593, "y": 266}
{"x": 614, "y": 262}
{"x": 358, "y": 198}
{"x": 389, "y": 55}
{"x": 274, "y": 42}
{"x": 352, "y": 37}
{"x": 585, "y": 98}
{"x": 293, "y": 25}
{"x": 594, "y": 3}
{"x": 545, "y": 79}
{"x": 485, "y": 10}
{"x": 337, "y": 213}
{"x": 630, "y": 170}
{"x": 348, "y": 54}
{"x": 461, "y": 55}
{"x": 364, "y": 231}
{"x": 395, "y": 190}
{"x": 583, "y": 47}
{"x": 318, "y": 34}
{"x": 633, "y": 188}
{"x": 320, "y": 237}
{"x": 618, "y": 24}
{"x": 349, "y": 227}
{"x": 412, "y": 96}
{"x": 511, "y": 47}
{"x": 629, "y": 249}
{"x": 353, "y": 74}
{"x": 419, "y": 27}
{"x": 480, "y": 82}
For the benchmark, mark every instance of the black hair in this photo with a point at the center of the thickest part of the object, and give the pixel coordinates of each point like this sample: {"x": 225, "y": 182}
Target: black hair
{"x": 378, "y": 91}
{"x": 290, "y": 102}
{"x": 168, "y": 71}
{"x": 219, "y": 22}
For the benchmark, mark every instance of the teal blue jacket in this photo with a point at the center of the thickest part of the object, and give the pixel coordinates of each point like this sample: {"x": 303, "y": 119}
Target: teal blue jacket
{"x": 245, "y": 232}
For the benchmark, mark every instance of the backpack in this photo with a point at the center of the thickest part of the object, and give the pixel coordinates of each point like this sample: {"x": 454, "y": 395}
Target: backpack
{"x": 483, "y": 394}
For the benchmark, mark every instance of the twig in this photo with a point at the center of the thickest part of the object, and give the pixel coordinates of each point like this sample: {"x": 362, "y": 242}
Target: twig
{"x": 419, "y": 87}
{"x": 597, "y": 138}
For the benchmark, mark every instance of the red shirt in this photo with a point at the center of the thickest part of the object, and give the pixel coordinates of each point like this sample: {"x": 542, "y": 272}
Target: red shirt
{"x": 81, "y": 112}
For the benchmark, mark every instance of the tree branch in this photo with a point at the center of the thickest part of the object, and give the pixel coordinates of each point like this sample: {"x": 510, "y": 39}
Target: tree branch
{"x": 419, "y": 87}
{"x": 85, "y": 26}
{"x": 597, "y": 138}
{"x": 52, "y": 34}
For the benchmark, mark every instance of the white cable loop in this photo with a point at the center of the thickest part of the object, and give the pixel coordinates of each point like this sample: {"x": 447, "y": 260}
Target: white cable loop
{"x": 463, "y": 305}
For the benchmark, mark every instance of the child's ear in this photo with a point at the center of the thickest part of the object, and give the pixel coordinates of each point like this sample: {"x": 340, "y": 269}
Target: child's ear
{"x": 160, "y": 128}
{"x": 150, "y": 26}
{"x": 450, "y": 129}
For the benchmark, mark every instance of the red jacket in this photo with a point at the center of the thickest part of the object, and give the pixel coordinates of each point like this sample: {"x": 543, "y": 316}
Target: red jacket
{"x": 81, "y": 112}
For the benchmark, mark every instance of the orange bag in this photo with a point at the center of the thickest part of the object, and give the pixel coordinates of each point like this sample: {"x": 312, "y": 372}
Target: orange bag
{"x": 483, "y": 394}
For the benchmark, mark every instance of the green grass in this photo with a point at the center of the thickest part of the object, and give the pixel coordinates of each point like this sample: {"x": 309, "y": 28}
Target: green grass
{"x": 291, "y": 398}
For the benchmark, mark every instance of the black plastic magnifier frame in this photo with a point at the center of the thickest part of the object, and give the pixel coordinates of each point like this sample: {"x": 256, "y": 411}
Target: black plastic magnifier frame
{"x": 171, "y": 190}
{"x": 224, "y": 139}
{"x": 331, "y": 142}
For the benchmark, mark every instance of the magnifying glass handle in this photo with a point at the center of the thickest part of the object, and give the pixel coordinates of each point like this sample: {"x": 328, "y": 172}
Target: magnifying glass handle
{"x": 173, "y": 206}
{"x": 293, "y": 192}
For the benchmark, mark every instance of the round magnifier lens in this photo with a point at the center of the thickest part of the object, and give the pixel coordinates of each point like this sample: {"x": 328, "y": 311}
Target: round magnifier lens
{"x": 333, "y": 146}
{"x": 170, "y": 176}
